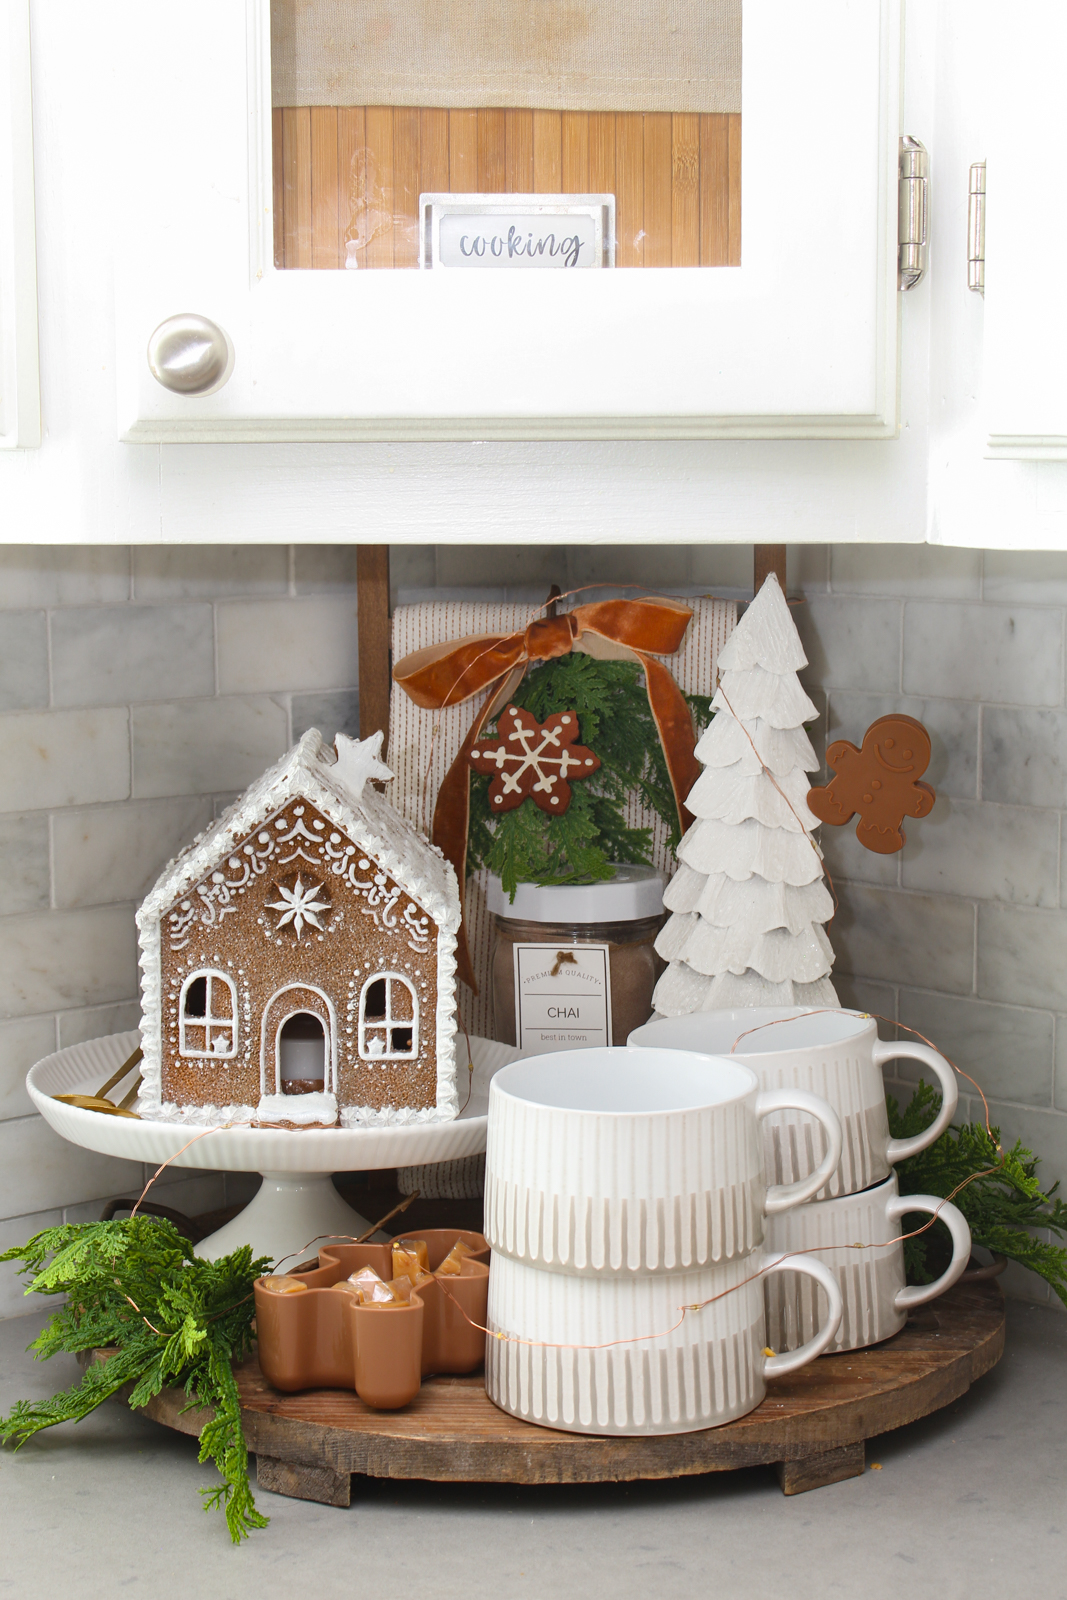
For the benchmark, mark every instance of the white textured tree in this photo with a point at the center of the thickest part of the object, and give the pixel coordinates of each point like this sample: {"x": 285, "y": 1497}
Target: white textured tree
{"x": 749, "y": 898}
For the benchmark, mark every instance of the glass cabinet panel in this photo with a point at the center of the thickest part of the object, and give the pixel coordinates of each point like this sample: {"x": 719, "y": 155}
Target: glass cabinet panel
{"x": 378, "y": 103}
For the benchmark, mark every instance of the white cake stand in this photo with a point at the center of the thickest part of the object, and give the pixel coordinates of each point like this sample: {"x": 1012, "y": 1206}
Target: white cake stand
{"x": 296, "y": 1204}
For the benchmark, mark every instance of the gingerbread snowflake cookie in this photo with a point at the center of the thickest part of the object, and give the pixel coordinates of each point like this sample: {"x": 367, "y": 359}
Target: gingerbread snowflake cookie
{"x": 880, "y": 781}
{"x": 535, "y": 760}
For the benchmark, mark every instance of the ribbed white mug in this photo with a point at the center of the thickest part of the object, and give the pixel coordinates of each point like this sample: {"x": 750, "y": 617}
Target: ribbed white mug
{"x": 835, "y": 1054}
{"x": 635, "y": 1161}
{"x": 624, "y": 1355}
{"x": 871, "y": 1279}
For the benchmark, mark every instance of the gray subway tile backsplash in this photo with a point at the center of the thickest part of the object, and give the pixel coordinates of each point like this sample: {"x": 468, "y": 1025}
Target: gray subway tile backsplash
{"x": 851, "y": 643}
{"x": 64, "y": 758}
{"x": 931, "y": 572}
{"x": 1007, "y": 1049}
{"x": 1029, "y": 577}
{"x": 163, "y": 573}
{"x": 972, "y": 847}
{"x": 23, "y": 660}
{"x": 204, "y": 746}
{"x": 919, "y": 939}
{"x": 1022, "y": 956}
{"x": 984, "y": 652}
{"x": 1024, "y": 756}
{"x": 306, "y": 642}
{"x": 109, "y": 853}
{"x": 332, "y": 712}
{"x": 25, "y": 867}
{"x": 34, "y": 575}
{"x": 54, "y": 960}
{"x": 114, "y": 655}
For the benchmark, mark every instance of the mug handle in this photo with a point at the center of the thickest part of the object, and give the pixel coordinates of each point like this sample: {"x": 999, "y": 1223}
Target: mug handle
{"x": 783, "y": 1196}
{"x": 777, "y": 1366}
{"x": 899, "y": 1149}
{"x": 954, "y": 1220}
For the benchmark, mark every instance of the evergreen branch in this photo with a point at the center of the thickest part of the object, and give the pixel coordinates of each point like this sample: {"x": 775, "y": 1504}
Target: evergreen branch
{"x": 1001, "y": 1197}
{"x": 583, "y": 845}
{"x": 174, "y": 1318}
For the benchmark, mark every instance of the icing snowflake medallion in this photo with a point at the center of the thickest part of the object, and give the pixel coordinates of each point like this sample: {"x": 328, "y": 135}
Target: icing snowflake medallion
{"x": 299, "y": 905}
{"x": 535, "y": 759}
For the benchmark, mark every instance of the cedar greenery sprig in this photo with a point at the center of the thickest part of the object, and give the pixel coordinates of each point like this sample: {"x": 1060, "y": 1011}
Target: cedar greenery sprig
{"x": 581, "y": 846}
{"x": 1001, "y": 1205}
{"x": 174, "y": 1318}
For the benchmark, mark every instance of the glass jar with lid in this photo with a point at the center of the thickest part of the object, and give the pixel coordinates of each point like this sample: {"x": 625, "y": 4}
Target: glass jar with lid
{"x": 573, "y": 965}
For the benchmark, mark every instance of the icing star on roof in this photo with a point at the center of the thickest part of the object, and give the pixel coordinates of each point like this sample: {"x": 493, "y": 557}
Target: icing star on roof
{"x": 358, "y": 760}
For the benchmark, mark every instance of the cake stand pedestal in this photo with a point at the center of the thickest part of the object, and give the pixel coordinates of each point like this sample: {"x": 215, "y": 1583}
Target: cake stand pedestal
{"x": 297, "y": 1206}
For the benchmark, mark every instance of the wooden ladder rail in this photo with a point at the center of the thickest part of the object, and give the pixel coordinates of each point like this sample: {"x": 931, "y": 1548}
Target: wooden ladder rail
{"x": 767, "y": 558}
{"x": 372, "y": 621}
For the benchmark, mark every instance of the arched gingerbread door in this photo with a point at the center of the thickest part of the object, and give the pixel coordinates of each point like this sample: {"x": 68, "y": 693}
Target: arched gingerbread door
{"x": 296, "y": 999}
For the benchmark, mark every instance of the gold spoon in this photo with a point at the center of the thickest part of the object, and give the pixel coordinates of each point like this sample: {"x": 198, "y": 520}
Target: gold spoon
{"x": 98, "y": 1102}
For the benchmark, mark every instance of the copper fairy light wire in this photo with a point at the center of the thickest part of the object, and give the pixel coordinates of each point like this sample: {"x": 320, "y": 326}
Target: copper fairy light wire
{"x": 164, "y": 1165}
{"x": 769, "y": 774}
{"x": 891, "y": 1023}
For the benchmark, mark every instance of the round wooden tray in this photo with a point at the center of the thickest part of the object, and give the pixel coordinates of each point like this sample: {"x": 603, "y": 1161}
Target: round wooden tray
{"x": 812, "y": 1425}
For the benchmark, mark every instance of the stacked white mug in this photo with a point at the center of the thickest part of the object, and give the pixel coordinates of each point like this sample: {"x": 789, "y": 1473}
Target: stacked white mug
{"x": 626, "y": 1205}
{"x": 838, "y": 1055}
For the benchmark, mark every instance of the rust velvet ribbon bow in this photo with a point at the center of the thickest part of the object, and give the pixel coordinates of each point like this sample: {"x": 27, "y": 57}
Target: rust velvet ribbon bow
{"x": 611, "y": 630}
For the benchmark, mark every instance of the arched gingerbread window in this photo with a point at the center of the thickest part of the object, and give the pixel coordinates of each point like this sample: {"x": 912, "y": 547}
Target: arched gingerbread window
{"x": 207, "y": 1016}
{"x": 388, "y": 1018}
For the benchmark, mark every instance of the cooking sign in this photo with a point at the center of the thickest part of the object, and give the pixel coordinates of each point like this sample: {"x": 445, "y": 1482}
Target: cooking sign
{"x": 517, "y": 231}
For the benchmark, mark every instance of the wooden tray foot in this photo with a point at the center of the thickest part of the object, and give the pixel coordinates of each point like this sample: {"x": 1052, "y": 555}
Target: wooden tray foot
{"x": 827, "y": 1466}
{"x": 300, "y": 1482}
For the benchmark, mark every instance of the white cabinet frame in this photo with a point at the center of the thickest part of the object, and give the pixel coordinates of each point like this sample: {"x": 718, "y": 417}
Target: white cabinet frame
{"x": 20, "y": 378}
{"x": 800, "y": 341}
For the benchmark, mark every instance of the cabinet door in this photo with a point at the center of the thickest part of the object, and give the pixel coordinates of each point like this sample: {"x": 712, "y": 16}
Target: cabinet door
{"x": 20, "y": 384}
{"x": 1026, "y": 236}
{"x": 800, "y": 339}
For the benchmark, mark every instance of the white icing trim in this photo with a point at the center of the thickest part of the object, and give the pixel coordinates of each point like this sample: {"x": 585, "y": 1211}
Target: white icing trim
{"x": 194, "y": 1116}
{"x": 301, "y": 1109}
{"x": 390, "y": 1116}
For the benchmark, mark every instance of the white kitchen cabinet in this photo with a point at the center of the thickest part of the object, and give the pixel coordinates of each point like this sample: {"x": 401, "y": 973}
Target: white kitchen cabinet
{"x": 142, "y": 150}
{"x": 1026, "y": 240}
{"x": 799, "y": 341}
{"x": 20, "y": 391}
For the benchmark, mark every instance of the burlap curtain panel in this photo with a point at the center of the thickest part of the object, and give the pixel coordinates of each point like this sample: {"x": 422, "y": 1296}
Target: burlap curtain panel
{"x": 553, "y": 55}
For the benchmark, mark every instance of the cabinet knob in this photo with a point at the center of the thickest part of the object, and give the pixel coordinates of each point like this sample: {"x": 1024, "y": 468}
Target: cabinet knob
{"x": 190, "y": 354}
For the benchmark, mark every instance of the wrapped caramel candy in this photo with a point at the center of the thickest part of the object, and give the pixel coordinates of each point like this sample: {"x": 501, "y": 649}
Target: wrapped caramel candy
{"x": 409, "y": 1257}
{"x": 453, "y": 1262}
{"x": 348, "y": 1287}
{"x": 374, "y": 1291}
{"x": 401, "y": 1288}
{"x": 284, "y": 1285}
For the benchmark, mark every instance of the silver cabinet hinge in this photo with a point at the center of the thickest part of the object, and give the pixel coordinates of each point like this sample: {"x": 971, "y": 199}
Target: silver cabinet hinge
{"x": 976, "y": 229}
{"x": 911, "y": 215}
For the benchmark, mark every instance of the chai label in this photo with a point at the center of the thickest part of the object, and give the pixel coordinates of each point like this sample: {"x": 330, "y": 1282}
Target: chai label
{"x": 562, "y": 997}
{"x": 517, "y": 232}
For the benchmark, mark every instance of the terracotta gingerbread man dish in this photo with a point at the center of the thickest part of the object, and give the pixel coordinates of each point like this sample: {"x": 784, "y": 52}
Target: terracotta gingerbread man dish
{"x": 880, "y": 781}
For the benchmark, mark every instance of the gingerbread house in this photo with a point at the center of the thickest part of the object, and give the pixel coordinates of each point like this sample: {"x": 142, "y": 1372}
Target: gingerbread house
{"x": 298, "y": 958}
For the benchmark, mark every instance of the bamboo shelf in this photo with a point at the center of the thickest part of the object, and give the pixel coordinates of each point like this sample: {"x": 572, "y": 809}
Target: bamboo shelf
{"x": 812, "y": 1426}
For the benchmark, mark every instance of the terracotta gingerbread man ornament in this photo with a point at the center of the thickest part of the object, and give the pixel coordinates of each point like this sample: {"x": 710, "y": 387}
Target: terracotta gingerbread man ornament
{"x": 880, "y": 781}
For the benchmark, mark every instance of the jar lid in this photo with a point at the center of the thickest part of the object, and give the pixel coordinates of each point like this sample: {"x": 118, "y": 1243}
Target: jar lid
{"x": 633, "y": 892}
